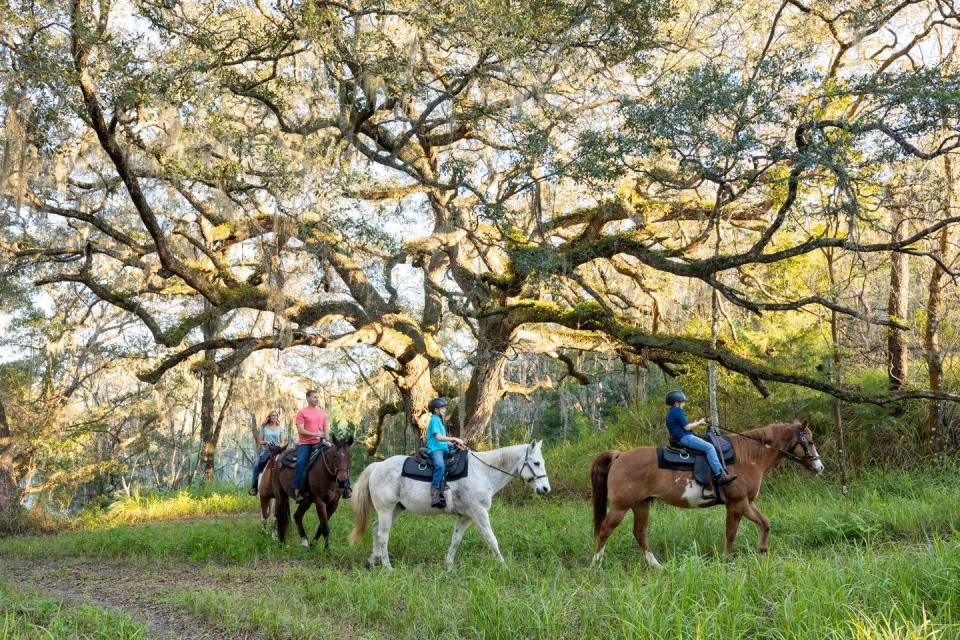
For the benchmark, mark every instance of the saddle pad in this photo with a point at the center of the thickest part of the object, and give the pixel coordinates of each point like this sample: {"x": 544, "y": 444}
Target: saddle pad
{"x": 683, "y": 459}
{"x": 417, "y": 469}
{"x": 289, "y": 459}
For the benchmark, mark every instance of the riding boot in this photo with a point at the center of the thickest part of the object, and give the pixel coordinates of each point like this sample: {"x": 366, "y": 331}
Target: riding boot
{"x": 347, "y": 491}
{"x": 298, "y": 496}
{"x": 253, "y": 490}
{"x": 437, "y": 500}
{"x": 724, "y": 478}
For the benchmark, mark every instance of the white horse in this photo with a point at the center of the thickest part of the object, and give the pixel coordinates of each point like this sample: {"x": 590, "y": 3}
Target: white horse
{"x": 381, "y": 487}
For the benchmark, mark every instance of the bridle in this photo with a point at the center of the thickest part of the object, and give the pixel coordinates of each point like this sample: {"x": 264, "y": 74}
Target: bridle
{"x": 334, "y": 472}
{"x": 804, "y": 444}
{"x": 526, "y": 465}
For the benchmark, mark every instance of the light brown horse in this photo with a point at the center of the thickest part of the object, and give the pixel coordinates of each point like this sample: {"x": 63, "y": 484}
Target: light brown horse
{"x": 327, "y": 480}
{"x": 632, "y": 480}
{"x": 265, "y": 484}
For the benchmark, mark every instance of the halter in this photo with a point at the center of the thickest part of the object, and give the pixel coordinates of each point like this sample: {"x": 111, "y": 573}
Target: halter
{"x": 801, "y": 442}
{"x": 526, "y": 465}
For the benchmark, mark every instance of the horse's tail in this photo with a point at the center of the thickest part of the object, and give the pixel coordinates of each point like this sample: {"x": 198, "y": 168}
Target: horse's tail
{"x": 362, "y": 506}
{"x": 281, "y": 508}
{"x": 598, "y": 478}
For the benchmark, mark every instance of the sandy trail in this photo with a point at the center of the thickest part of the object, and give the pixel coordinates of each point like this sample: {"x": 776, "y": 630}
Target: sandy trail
{"x": 133, "y": 589}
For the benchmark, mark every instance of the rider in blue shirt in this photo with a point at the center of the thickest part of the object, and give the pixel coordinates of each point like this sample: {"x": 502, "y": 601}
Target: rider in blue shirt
{"x": 682, "y": 432}
{"x": 438, "y": 446}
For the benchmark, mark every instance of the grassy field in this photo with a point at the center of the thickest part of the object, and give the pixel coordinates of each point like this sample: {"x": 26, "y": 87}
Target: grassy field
{"x": 881, "y": 563}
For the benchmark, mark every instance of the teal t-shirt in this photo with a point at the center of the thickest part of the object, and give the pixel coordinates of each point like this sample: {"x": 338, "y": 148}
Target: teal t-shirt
{"x": 272, "y": 434}
{"x": 434, "y": 429}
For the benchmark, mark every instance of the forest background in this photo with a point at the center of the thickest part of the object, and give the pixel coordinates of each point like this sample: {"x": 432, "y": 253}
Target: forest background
{"x": 549, "y": 212}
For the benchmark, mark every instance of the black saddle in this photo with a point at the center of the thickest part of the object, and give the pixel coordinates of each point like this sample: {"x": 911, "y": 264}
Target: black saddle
{"x": 420, "y": 466}
{"x": 289, "y": 459}
{"x": 679, "y": 458}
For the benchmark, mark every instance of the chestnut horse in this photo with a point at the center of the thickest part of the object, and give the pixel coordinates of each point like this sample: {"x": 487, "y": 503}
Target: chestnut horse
{"x": 632, "y": 480}
{"x": 327, "y": 480}
{"x": 265, "y": 484}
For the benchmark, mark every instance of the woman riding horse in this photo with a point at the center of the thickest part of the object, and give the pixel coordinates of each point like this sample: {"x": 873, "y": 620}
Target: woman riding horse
{"x": 631, "y": 480}
{"x": 273, "y": 434}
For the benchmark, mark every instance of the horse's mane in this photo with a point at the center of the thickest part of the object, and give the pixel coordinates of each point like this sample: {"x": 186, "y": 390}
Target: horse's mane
{"x": 765, "y": 434}
{"x": 761, "y": 435}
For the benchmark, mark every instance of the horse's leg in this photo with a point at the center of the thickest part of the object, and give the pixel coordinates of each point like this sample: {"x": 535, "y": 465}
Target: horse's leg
{"x": 482, "y": 518}
{"x": 641, "y": 513}
{"x": 302, "y": 508}
{"x": 264, "y": 513}
{"x": 323, "y": 524}
{"x": 735, "y": 511}
{"x": 610, "y": 522}
{"x": 382, "y": 539}
{"x": 753, "y": 514}
{"x": 463, "y": 523}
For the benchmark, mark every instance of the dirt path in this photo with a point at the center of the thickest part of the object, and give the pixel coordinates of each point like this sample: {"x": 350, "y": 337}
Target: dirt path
{"x": 134, "y": 590}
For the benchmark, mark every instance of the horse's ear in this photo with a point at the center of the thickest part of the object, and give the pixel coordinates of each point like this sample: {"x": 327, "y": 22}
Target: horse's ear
{"x": 336, "y": 442}
{"x": 349, "y": 442}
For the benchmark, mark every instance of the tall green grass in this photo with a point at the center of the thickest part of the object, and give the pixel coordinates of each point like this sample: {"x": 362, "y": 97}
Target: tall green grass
{"x": 880, "y": 563}
{"x": 28, "y": 616}
{"x": 199, "y": 501}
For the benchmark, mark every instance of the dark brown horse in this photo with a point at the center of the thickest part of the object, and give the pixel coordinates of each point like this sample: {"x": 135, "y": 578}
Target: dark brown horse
{"x": 632, "y": 480}
{"x": 327, "y": 480}
{"x": 265, "y": 484}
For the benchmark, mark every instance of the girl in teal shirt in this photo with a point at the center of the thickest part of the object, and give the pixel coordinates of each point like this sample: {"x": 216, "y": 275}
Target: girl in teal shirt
{"x": 438, "y": 446}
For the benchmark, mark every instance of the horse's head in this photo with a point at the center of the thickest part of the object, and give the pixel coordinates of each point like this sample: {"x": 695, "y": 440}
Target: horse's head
{"x": 803, "y": 450}
{"x": 343, "y": 459}
{"x": 533, "y": 469}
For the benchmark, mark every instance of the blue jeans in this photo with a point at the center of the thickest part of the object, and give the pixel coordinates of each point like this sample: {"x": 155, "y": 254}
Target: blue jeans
{"x": 439, "y": 468}
{"x": 259, "y": 464}
{"x": 696, "y": 443}
{"x": 303, "y": 455}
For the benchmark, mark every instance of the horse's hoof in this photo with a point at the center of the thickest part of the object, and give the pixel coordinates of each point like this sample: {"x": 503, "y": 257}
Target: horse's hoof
{"x": 274, "y": 535}
{"x": 305, "y": 543}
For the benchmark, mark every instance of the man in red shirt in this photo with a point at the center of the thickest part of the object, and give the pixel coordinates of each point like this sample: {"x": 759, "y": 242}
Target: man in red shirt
{"x": 312, "y": 425}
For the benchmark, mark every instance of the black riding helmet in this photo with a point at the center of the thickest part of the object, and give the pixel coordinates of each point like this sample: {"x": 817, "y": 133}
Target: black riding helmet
{"x": 675, "y": 396}
{"x": 435, "y": 404}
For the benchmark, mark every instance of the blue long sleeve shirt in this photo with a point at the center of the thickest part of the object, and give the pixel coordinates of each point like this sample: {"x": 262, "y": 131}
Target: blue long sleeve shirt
{"x": 676, "y": 421}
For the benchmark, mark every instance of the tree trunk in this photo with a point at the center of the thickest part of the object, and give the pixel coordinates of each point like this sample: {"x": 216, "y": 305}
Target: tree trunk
{"x": 483, "y": 393}
{"x": 208, "y": 442}
{"x": 416, "y": 391}
{"x": 931, "y": 334}
{"x": 897, "y": 307}
{"x": 10, "y": 511}
{"x": 209, "y": 434}
{"x": 838, "y": 380}
{"x": 712, "y": 365}
{"x": 486, "y": 385}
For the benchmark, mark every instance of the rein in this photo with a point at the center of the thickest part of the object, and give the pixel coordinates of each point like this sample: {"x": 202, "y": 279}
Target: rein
{"x": 801, "y": 440}
{"x": 526, "y": 465}
{"x": 323, "y": 456}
